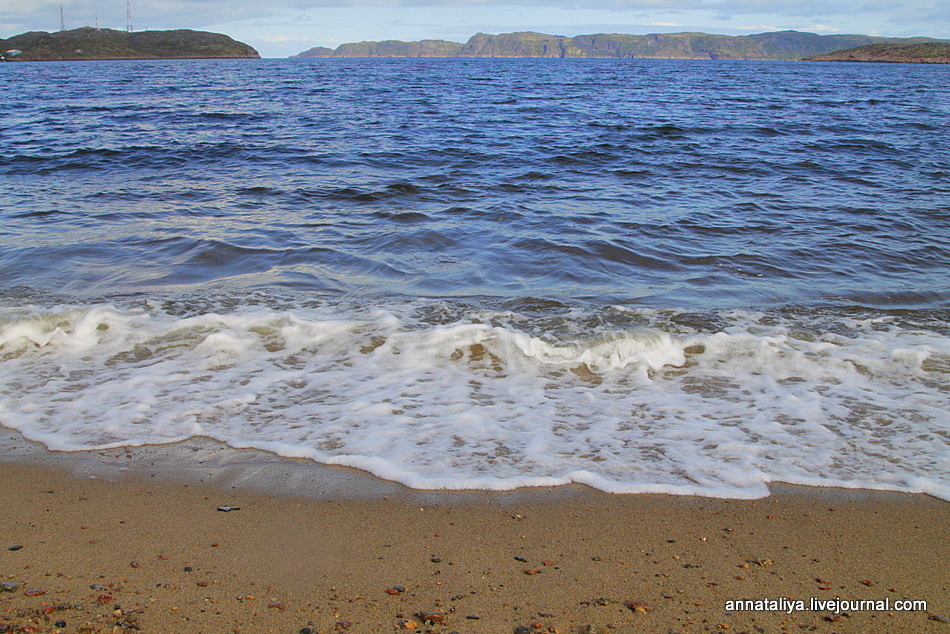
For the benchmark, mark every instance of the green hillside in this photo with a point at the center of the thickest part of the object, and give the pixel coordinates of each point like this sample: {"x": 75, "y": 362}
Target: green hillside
{"x": 89, "y": 43}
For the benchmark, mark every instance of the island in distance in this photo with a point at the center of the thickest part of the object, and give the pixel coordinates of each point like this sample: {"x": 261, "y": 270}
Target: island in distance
{"x": 779, "y": 45}
{"x": 919, "y": 53}
{"x": 88, "y": 43}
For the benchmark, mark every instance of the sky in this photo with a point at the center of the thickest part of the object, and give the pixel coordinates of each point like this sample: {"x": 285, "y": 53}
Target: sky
{"x": 280, "y": 28}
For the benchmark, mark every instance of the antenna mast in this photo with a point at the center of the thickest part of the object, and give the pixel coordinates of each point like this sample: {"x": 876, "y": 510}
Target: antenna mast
{"x": 128, "y": 15}
{"x": 62, "y": 20}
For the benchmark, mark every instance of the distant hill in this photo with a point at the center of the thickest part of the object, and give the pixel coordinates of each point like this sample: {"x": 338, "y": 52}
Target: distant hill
{"x": 918, "y": 53}
{"x": 780, "y": 45}
{"x": 89, "y": 43}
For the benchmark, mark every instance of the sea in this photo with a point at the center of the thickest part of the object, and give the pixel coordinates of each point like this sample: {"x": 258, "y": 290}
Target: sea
{"x": 689, "y": 277}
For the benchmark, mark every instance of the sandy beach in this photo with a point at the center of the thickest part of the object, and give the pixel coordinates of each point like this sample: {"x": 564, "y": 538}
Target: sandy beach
{"x": 92, "y": 545}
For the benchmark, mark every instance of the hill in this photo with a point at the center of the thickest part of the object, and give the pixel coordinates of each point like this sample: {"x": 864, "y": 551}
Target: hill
{"x": 780, "y": 45}
{"x": 88, "y": 43}
{"x": 918, "y": 53}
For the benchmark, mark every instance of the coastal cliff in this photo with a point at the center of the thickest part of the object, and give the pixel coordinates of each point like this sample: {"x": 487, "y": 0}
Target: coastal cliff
{"x": 88, "y": 43}
{"x": 780, "y": 45}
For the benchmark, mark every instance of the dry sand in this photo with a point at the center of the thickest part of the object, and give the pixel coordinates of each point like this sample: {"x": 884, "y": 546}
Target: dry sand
{"x": 147, "y": 550}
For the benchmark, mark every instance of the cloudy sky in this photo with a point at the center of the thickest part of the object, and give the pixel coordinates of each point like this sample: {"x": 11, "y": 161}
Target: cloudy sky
{"x": 279, "y": 28}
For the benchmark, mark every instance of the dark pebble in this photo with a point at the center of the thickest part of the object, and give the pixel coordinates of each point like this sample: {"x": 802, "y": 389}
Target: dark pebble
{"x": 307, "y": 630}
{"x": 15, "y": 547}
{"x": 188, "y": 568}
{"x": 60, "y": 624}
{"x": 520, "y": 558}
{"x": 523, "y": 629}
{"x": 436, "y": 560}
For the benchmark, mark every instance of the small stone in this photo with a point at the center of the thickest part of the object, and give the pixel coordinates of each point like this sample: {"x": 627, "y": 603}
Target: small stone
{"x": 276, "y": 605}
{"x": 436, "y": 560}
{"x": 395, "y": 590}
{"x": 342, "y": 625}
{"x": 227, "y": 509}
{"x": 603, "y": 601}
{"x": 60, "y": 623}
{"x": 8, "y": 586}
{"x": 520, "y": 558}
{"x": 532, "y": 571}
{"x": 940, "y": 618}
{"x": 202, "y": 584}
{"x": 18, "y": 547}
{"x": 593, "y": 629}
{"x": 763, "y": 562}
{"x": 134, "y": 564}
{"x": 641, "y": 607}
{"x": 35, "y": 593}
{"x": 523, "y": 629}
{"x": 188, "y": 568}
{"x": 431, "y": 617}
{"x": 408, "y": 625}
{"x": 834, "y": 618}
{"x": 307, "y": 630}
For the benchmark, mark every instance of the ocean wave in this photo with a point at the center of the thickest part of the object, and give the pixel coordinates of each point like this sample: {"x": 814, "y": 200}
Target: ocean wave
{"x": 526, "y": 394}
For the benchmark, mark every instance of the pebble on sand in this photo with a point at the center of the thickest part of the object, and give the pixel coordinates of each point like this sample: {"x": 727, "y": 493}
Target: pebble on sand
{"x": 641, "y": 607}
{"x": 431, "y": 617}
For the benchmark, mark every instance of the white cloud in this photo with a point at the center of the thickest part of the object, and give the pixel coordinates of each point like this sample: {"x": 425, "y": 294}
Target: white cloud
{"x": 824, "y": 28}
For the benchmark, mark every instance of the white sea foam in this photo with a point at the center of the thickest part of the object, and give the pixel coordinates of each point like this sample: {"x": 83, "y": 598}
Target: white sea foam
{"x": 479, "y": 401}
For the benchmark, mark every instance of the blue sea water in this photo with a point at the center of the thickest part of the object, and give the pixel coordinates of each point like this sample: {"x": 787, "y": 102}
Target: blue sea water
{"x": 693, "y": 277}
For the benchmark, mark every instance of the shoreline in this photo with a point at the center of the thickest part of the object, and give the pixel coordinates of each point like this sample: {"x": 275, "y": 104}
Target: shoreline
{"x": 152, "y": 551}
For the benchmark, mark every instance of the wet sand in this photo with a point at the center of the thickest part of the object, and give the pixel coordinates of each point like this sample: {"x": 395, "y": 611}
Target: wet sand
{"x": 108, "y": 548}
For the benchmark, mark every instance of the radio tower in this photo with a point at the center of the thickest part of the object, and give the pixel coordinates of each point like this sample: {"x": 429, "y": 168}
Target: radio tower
{"x": 128, "y": 15}
{"x": 62, "y": 20}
